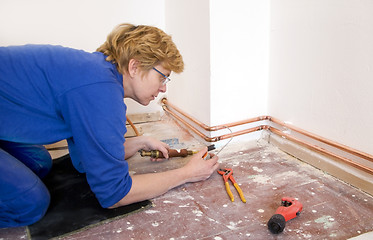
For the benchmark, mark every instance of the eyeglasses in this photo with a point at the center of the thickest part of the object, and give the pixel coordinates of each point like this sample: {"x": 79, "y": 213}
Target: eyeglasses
{"x": 166, "y": 79}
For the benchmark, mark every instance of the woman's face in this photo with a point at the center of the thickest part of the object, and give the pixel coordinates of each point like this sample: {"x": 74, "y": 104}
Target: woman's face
{"x": 150, "y": 84}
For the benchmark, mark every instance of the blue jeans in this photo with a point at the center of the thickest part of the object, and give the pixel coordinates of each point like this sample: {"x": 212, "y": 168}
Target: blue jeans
{"x": 24, "y": 199}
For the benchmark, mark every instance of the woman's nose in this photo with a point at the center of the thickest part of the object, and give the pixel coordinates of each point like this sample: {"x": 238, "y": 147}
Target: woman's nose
{"x": 163, "y": 88}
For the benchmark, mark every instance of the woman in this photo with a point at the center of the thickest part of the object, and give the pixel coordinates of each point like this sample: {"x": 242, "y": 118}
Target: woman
{"x": 49, "y": 93}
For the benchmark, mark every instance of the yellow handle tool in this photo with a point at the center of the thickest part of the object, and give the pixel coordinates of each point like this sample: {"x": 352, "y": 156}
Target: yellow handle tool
{"x": 230, "y": 194}
{"x": 240, "y": 192}
{"x": 227, "y": 175}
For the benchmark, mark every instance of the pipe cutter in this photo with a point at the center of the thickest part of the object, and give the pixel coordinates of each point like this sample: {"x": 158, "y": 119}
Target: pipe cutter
{"x": 289, "y": 209}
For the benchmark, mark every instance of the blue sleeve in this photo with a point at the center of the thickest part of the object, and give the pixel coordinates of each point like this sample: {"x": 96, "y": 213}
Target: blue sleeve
{"x": 96, "y": 115}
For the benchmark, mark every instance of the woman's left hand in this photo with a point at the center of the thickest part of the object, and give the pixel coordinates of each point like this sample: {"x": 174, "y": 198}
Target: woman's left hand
{"x": 132, "y": 145}
{"x": 154, "y": 144}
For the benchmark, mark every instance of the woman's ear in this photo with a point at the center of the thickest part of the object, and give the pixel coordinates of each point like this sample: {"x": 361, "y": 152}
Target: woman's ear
{"x": 133, "y": 67}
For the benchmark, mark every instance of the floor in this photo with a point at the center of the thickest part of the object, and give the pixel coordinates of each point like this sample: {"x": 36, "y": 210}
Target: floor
{"x": 331, "y": 208}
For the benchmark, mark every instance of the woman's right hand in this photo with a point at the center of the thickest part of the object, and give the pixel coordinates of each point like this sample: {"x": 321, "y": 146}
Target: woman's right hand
{"x": 198, "y": 169}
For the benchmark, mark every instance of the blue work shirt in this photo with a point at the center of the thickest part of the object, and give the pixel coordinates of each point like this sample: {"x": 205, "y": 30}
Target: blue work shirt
{"x": 50, "y": 93}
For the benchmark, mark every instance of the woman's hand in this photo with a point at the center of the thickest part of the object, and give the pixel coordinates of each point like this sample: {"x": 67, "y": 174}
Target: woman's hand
{"x": 147, "y": 186}
{"x": 154, "y": 144}
{"x": 199, "y": 169}
{"x": 132, "y": 145}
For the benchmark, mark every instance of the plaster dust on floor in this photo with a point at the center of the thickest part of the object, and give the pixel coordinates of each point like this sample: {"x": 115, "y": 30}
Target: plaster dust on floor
{"x": 332, "y": 209}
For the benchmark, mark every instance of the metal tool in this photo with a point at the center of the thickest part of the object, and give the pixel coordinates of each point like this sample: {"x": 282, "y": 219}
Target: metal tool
{"x": 290, "y": 208}
{"x": 171, "y": 152}
{"x": 227, "y": 173}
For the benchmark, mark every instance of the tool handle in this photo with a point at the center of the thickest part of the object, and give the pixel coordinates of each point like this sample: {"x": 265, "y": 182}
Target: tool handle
{"x": 240, "y": 192}
{"x": 178, "y": 153}
{"x": 171, "y": 153}
{"x": 229, "y": 191}
{"x": 206, "y": 156}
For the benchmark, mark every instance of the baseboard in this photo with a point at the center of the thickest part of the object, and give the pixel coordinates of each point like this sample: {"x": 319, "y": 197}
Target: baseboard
{"x": 145, "y": 117}
{"x": 353, "y": 176}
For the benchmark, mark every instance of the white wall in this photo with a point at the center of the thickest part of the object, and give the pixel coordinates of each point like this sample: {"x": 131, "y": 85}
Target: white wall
{"x": 226, "y": 50}
{"x": 321, "y": 68}
{"x": 239, "y": 59}
{"x": 82, "y": 24}
{"x": 189, "y": 24}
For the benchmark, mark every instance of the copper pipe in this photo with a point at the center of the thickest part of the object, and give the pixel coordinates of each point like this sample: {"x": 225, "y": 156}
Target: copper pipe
{"x": 133, "y": 126}
{"x": 324, "y": 140}
{"x": 213, "y": 139}
{"x": 274, "y": 120}
{"x": 322, "y": 150}
{"x": 275, "y": 131}
{"x": 241, "y": 132}
{"x": 214, "y": 128}
{"x": 195, "y": 130}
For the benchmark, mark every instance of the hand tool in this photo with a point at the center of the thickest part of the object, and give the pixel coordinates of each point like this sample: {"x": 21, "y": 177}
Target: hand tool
{"x": 171, "y": 152}
{"x": 289, "y": 209}
{"x": 207, "y": 156}
{"x": 227, "y": 173}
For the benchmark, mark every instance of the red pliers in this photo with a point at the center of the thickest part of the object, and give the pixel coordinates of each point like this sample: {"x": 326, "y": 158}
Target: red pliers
{"x": 228, "y": 174}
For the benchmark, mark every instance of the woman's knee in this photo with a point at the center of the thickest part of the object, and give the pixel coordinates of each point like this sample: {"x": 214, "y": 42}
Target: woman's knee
{"x": 38, "y": 206}
{"x": 28, "y": 208}
{"x": 24, "y": 198}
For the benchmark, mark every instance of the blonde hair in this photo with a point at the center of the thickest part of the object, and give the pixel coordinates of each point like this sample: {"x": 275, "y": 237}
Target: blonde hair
{"x": 148, "y": 45}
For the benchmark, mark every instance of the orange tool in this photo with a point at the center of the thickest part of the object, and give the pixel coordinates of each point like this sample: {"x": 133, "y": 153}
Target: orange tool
{"x": 228, "y": 174}
{"x": 290, "y": 208}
